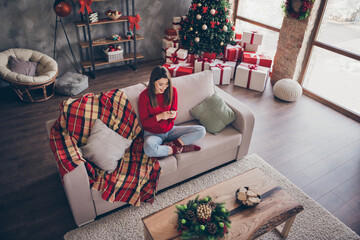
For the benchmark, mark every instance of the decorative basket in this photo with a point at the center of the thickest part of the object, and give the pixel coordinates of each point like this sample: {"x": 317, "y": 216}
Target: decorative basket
{"x": 114, "y": 56}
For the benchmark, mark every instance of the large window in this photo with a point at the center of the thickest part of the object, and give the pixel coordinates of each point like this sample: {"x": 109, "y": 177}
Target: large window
{"x": 333, "y": 68}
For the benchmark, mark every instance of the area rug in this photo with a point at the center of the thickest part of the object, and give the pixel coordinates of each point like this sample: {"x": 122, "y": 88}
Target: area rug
{"x": 313, "y": 223}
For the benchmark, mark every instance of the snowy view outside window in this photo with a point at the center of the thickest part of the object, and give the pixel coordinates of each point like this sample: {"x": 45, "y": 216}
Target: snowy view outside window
{"x": 263, "y": 11}
{"x": 330, "y": 75}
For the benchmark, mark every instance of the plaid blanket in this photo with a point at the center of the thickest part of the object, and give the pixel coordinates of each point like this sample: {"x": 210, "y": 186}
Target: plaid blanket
{"x": 136, "y": 176}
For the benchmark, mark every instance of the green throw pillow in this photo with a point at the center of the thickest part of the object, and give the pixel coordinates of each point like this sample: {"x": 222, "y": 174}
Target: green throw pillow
{"x": 213, "y": 114}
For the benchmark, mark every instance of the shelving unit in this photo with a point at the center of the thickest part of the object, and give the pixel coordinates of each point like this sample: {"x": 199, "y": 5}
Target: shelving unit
{"x": 130, "y": 54}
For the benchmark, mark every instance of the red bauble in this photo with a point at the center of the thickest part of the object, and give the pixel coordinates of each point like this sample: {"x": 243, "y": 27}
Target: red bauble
{"x": 233, "y": 28}
{"x": 62, "y": 8}
{"x": 227, "y": 20}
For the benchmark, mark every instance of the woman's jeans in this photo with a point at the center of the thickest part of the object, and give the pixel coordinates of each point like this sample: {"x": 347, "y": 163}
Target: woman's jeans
{"x": 187, "y": 134}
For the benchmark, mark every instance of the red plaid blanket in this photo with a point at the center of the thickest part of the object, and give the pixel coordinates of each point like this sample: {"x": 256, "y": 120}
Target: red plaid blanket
{"x": 135, "y": 179}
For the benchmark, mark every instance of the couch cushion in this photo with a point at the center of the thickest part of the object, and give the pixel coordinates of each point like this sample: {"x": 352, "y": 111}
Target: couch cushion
{"x": 132, "y": 93}
{"x": 192, "y": 90}
{"x": 211, "y": 145}
{"x": 168, "y": 165}
{"x": 213, "y": 114}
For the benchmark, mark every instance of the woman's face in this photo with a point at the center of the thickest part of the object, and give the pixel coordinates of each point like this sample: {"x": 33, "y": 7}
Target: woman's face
{"x": 161, "y": 85}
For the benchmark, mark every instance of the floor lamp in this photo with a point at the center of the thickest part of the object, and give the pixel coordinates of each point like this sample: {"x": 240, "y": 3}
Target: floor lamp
{"x": 63, "y": 9}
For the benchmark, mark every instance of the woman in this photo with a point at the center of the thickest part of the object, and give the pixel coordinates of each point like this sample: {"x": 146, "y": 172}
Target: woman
{"x": 158, "y": 111}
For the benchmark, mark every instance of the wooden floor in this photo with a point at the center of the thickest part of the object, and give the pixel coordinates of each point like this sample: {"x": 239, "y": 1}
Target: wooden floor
{"x": 315, "y": 147}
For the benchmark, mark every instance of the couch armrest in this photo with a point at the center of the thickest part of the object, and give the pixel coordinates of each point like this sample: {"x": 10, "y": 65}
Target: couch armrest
{"x": 77, "y": 189}
{"x": 78, "y": 192}
{"x": 244, "y": 122}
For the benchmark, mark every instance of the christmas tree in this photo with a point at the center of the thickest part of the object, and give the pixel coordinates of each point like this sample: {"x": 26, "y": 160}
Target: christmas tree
{"x": 207, "y": 27}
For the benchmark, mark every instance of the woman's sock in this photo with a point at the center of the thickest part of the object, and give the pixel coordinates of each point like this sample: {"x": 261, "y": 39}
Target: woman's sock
{"x": 190, "y": 148}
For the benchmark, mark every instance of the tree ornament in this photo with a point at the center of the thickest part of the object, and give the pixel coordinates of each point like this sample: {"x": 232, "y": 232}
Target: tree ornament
{"x": 183, "y": 221}
{"x": 197, "y": 39}
{"x": 212, "y": 11}
{"x": 222, "y": 43}
{"x": 221, "y": 224}
{"x": 194, "y": 6}
{"x": 227, "y": 20}
{"x": 191, "y": 29}
{"x": 202, "y": 227}
{"x": 204, "y": 27}
{"x": 225, "y": 28}
{"x": 212, "y": 24}
{"x": 205, "y": 9}
{"x": 198, "y": 17}
{"x": 233, "y": 28}
{"x": 217, "y": 23}
{"x": 225, "y": 9}
{"x": 199, "y": 4}
{"x": 196, "y": 32}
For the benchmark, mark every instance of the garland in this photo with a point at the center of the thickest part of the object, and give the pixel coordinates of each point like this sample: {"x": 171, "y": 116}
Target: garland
{"x": 202, "y": 218}
{"x": 303, "y": 12}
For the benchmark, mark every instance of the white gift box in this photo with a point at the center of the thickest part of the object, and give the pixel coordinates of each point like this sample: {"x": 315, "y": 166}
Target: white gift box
{"x": 221, "y": 73}
{"x": 176, "y": 55}
{"x": 248, "y": 47}
{"x": 202, "y": 64}
{"x": 167, "y": 44}
{"x": 252, "y": 37}
{"x": 227, "y": 63}
{"x": 251, "y": 76}
{"x": 176, "y": 22}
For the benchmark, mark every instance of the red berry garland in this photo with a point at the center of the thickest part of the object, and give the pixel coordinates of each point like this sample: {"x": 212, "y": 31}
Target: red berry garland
{"x": 303, "y": 12}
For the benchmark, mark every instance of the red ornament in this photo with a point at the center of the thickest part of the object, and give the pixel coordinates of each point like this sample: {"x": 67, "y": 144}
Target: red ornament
{"x": 218, "y": 23}
{"x": 233, "y": 28}
{"x": 62, "y": 8}
{"x": 227, "y": 20}
{"x": 212, "y": 24}
{"x": 225, "y": 9}
{"x": 205, "y": 9}
{"x": 221, "y": 54}
{"x": 194, "y": 6}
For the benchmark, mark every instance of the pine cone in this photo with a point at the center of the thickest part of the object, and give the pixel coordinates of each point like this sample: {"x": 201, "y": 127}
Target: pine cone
{"x": 211, "y": 228}
{"x": 212, "y": 205}
{"x": 190, "y": 215}
{"x": 203, "y": 211}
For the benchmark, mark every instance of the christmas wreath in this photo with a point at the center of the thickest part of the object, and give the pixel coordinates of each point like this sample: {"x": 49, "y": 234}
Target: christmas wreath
{"x": 202, "y": 218}
{"x": 299, "y": 9}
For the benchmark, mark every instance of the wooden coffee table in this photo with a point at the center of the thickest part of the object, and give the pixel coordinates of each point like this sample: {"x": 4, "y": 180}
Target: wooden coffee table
{"x": 276, "y": 207}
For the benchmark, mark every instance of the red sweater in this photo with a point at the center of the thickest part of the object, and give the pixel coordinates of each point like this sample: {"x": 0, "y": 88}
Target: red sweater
{"x": 148, "y": 113}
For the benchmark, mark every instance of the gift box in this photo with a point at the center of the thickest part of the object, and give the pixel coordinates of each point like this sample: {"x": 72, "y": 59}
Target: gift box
{"x": 167, "y": 44}
{"x": 233, "y": 53}
{"x": 177, "y": 70}
{"x": 171, "y": 34}
{"x": 248, "y": 47}
{"x": 191, "y": 59}
{"x": 176, "y": 55}
{"x": 176, "y": 22}
{"x": 252, "y": 37}
{"x": 251, "y": 76}
{"x": 221, "y": 73}
{"x": 238, "y": 37}
{"x": 231, "y": 64}
{"x": 209, "y": 55}
{"x": 202, "y": 64}
{"x": 259, "y": 59}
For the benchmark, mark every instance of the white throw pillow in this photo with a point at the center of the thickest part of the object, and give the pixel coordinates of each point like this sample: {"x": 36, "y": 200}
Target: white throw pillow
{"x": 105, "y": 147}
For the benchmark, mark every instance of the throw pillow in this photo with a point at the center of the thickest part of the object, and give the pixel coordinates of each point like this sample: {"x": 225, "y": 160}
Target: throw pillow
{"x": 105, "y": 147}
{"x": 22, "y": 67}
{"x": 213, "y": 114}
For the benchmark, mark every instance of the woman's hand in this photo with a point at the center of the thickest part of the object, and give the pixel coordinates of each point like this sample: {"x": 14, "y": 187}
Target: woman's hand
{"x": 166, "y": 115}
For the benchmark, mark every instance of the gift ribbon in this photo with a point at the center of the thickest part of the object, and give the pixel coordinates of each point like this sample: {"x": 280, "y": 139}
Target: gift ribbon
{"x": 175, "y": 67}
{"x": 134, "y": 21}
{"x": 85, "y": 4}
{"x": 252, "y": 36}
{"x": 251, "y": 68}
{"x": 221, "y": 66}
{"x": 174, "y": 57}
{"x": 204, "y": 60}
{"x": 254, "y": 55}
{"x": 227, "y": 52}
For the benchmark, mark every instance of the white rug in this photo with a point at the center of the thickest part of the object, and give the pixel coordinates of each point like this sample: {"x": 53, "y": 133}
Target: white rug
{"x": 313, "y": 223}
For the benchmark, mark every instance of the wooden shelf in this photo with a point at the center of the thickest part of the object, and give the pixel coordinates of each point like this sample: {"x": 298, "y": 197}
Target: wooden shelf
{"x": 100, "y": 62}
{"x": 102, "y": 21}
{"x": 86, "y": 44}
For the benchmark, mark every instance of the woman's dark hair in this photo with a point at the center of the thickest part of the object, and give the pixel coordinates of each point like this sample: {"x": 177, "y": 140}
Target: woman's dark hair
{"x": 156, "y": 74}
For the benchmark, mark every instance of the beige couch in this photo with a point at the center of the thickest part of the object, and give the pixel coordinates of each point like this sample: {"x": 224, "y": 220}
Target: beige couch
{"x": 231, "y": 143}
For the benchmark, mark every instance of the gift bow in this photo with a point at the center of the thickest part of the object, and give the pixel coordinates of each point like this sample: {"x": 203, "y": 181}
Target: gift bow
{"x": 252, "y": 67}
{"x": 221, "y": 66}
{"x": 175, "y": 67}
{"x": 228, "y": 47}
{"x": 204, "y": 60}
{"x": 174, "y": 58}
{"x": 134, "y": 21}
{"x": 85, "y": 4}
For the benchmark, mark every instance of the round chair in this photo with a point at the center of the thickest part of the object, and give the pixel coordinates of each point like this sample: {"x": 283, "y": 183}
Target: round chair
{"x": 287, "y": 90}
{"x": 30, "y": 89}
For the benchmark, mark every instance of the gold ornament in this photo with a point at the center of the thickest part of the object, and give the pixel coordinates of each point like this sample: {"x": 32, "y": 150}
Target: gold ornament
{"x": 222, "y": 43}
{"x": 191, "y": 29}
{"x": 199, "y": 4}
{"x": 203, "y": 211}
{"x": 204, "y": 27}
{"x": 196, "y": 32}
{"x": 197, "y": 39}
{"x": 198, "y": 17}
{"x": 212, "y": 11}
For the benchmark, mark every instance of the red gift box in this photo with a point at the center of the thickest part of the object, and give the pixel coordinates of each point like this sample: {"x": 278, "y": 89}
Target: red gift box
{"x": 191, "y": 59}
{"x": 233, "y": 53}
{"x": 171, "y": 34}
{"x": 209, "y": 55}
{"x": 259, "y": 59}
{"x": 238, "y": 36}
{"x": 177, "y": 70}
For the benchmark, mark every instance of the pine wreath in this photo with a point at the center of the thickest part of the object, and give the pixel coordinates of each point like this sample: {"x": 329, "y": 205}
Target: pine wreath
{"x": 202, "y": 218}
{"x": 303, "y": 10}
